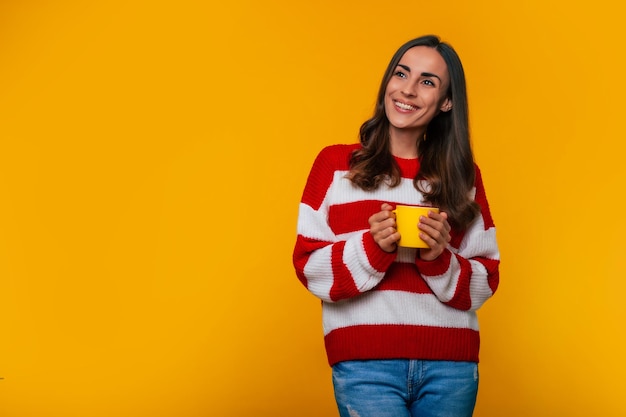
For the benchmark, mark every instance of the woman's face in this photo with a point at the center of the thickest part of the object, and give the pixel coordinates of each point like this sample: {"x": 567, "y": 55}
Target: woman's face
{"x": 416, "y": 92}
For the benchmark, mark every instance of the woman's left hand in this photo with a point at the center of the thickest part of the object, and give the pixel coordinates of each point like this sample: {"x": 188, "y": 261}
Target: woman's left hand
{"x": 435, "y": 231}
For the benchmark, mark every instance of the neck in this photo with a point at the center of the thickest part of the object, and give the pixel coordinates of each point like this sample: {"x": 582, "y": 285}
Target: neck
{"x": 404, "y": 144}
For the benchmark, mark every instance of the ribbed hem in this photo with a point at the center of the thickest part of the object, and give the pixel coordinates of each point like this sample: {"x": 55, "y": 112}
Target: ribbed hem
{"x": 438, "y": 266}
{"x": 402, "y": 342}
{"x": 378, "y": 258}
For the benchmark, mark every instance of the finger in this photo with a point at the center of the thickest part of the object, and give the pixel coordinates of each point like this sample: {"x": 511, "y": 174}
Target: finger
{"x": 445, "y": 221}
{"x": 430, "y": 235}
{"x": 387, "y": 239}
{"x": 432, "y": 243}
{"x": 388, "y": 210}
{"x": 436, "y": 232}
{"x": 384, "y": 224}
{"x": 392, "y": 238}
{"x": 431, "y": 224}
{"x": 433, "y": 251}
{"x": 440, "y": 217}
{"x": 437, "y": 221}
{"x": 378, "y": 217}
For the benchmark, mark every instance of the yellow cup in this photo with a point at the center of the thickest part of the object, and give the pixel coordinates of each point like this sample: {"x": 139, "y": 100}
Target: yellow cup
{"x": 407, "y": 218}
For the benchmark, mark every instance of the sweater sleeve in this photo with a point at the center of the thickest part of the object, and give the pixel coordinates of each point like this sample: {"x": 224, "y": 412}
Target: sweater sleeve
{"x": 467, "y": 276}
{"x": 333, "y": 267}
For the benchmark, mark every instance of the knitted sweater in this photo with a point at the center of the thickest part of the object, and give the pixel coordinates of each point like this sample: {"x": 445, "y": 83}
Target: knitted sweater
{"x": 380, "y": 305}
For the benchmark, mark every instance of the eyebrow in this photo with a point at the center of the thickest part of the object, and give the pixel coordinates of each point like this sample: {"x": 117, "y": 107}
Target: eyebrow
{"x": 424, "y": 74}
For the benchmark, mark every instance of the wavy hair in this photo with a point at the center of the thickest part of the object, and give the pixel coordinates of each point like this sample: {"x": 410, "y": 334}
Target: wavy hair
{"x": 447, "y": 170}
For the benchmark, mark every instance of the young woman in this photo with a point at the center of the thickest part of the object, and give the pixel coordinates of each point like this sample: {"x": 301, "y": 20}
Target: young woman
{"x": 400, "y": 324}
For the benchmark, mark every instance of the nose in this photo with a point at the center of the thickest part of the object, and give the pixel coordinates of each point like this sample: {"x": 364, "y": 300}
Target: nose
{"x": 409, "y": 89}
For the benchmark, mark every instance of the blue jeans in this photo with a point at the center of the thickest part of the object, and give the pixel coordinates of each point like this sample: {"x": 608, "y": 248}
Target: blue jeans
{"x": 405, "y": 388}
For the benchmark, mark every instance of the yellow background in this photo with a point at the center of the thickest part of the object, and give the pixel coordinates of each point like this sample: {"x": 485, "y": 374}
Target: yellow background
{"x": 152, "y": 157}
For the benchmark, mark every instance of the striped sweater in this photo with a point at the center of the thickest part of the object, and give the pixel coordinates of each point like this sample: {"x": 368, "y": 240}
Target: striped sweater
{"x": 379, "y": 305}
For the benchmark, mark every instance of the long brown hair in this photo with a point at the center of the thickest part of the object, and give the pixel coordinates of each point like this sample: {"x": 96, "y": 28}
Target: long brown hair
{"x": 446, "y": 159}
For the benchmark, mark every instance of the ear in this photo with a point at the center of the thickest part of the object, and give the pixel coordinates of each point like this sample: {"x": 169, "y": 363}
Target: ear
{"x": 446, "y": 105}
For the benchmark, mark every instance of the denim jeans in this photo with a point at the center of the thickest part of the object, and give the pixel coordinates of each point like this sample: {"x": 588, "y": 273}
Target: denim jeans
{"x": 405, "y": 388}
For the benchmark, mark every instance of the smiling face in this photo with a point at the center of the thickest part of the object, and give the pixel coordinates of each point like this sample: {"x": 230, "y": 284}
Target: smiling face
{"x": 416, "y": 93}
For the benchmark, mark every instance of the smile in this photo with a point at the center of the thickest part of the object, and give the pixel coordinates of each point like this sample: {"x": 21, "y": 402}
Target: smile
{"x": 404, "y": 106}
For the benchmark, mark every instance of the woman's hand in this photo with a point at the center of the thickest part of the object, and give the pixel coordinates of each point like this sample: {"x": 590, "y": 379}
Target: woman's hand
{"x": 435, "y": 231}
{"x": 383, "y": 228}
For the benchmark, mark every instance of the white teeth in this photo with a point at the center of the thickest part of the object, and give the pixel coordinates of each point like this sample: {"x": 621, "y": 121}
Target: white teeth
{"x": 405, "y": 106}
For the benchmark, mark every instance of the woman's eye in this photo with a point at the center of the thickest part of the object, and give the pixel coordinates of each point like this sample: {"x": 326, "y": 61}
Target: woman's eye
{"x": 429, "y": 82}
{"x": 399, "y": 74}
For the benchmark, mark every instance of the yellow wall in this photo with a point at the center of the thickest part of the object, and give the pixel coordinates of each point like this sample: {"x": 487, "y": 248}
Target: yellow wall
{"x": 152, "y": 156}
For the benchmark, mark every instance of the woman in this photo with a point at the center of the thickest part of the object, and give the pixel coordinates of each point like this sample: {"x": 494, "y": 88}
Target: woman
{"x": 400, "y": 324}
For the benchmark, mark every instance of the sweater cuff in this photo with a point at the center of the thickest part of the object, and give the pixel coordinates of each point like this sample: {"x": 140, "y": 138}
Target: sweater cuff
{"x": 437, "y": 266}
{"x": 378, "y": 258}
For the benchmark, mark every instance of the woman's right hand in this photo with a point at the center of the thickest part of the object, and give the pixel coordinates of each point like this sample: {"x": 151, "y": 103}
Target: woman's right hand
{"x": 383, "y": 228}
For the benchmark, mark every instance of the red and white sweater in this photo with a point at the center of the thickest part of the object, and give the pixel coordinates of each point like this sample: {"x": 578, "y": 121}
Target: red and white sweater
{"x": 379, "y": 305}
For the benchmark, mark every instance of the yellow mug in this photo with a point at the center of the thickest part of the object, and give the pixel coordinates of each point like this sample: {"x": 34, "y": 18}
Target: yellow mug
{"x": 407, "y": 218}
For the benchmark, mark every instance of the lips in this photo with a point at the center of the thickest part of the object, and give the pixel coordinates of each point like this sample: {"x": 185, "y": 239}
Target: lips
{"x": 404, "y": 106}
